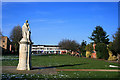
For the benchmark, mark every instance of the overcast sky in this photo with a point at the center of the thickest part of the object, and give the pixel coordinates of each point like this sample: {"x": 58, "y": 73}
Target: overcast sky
{"x": 51, "y": 22}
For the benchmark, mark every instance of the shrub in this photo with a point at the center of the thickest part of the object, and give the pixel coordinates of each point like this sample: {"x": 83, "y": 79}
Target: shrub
{"x": 83, "y": 54}
{"x": 102, "y": 52}
{"x": 112, "y": 58}
{"x": 88, "y": 54}
{"x": 89, "y": 49}
{"x": 69, "y": 53}
{"x": 112, "y": 54}
{"x": 111, "y": 48}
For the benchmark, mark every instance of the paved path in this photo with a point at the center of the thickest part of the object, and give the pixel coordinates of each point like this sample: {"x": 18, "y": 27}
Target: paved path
{"x": 114, "y": 70}
{"x": 12, "y": 69}
{"x": 47, "y": 71}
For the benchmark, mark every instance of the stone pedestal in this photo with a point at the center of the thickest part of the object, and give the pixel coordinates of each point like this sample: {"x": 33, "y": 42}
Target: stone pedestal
{"x": 24, "y": 55}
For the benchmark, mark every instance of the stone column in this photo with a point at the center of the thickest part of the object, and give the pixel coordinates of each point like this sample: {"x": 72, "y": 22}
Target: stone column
{"x": 24, "y": 55}
{"x": 23, "y": 51}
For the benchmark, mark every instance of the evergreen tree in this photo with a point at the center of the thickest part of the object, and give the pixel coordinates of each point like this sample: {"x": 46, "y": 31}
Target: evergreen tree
{"x": 99, "y": 35}
{"x": 82, "y": 48}
{"x": 102, "y": 52}
{"x": 116, "y": 43}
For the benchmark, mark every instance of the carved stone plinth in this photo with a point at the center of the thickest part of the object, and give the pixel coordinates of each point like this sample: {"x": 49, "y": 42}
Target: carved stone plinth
{"x": 24, "y": 55}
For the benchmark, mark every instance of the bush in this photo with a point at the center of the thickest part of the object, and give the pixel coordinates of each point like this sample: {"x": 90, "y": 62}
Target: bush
{"x": 111, "y": 48}
{"x": 89, "y": 47}
{"x": 69, "y": 53}
{"x": 83, "y": 54}
{"x": 112, "y": 54}
{"x": 88, "y": 54}
{"x": 101, "y": 51}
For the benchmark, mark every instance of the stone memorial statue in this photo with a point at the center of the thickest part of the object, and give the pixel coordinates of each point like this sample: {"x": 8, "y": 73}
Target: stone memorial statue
{"x": 25, "y": 48}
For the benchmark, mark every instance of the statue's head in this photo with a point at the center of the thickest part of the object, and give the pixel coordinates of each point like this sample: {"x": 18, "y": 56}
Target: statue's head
{"x": 26, "y": 21}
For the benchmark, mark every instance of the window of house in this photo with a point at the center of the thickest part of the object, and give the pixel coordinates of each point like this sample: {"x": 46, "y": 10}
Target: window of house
{"x": 3, "y": 40}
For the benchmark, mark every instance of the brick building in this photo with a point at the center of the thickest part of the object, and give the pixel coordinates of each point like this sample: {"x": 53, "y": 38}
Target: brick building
{"x": 5, "y": 44}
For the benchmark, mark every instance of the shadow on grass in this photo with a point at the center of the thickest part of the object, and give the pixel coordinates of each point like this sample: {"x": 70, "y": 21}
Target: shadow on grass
{"x": 56, "y": 66}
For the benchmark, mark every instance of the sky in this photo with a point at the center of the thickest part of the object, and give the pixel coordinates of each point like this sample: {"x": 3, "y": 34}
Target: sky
{"x": 50, "y": 22}
{"x": 60, "y": 0}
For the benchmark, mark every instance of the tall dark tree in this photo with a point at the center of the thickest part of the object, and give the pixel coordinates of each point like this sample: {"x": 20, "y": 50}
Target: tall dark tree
{"x": 82, "y": 48}
{"x": 99, "y": 35}
{"x": 83, "y": 43}
{"x": 69, "y": 44}
{"x": 16, "y": 36}
{"x": 116, "y": 43}
{"x": 101, "y": 51}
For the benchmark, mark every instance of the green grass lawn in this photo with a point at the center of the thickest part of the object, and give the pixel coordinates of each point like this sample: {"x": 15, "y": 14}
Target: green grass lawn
{"x": 64, "y": 62}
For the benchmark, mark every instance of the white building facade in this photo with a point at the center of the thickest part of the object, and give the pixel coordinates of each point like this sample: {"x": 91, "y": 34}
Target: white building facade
{"x": 47, "y": 49}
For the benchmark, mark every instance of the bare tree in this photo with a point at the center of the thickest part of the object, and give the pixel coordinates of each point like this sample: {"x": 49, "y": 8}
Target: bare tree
{"x": 16, "y": 36}
{"x": 69, "y": 44}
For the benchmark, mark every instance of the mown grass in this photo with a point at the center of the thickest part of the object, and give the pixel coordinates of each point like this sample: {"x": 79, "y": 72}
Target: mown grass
{"x": 63, "y": 62}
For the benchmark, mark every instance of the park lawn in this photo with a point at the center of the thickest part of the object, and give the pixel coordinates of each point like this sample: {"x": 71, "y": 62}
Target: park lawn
{"x": 89, "y": 74}
{"x": 62, "y": 62}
